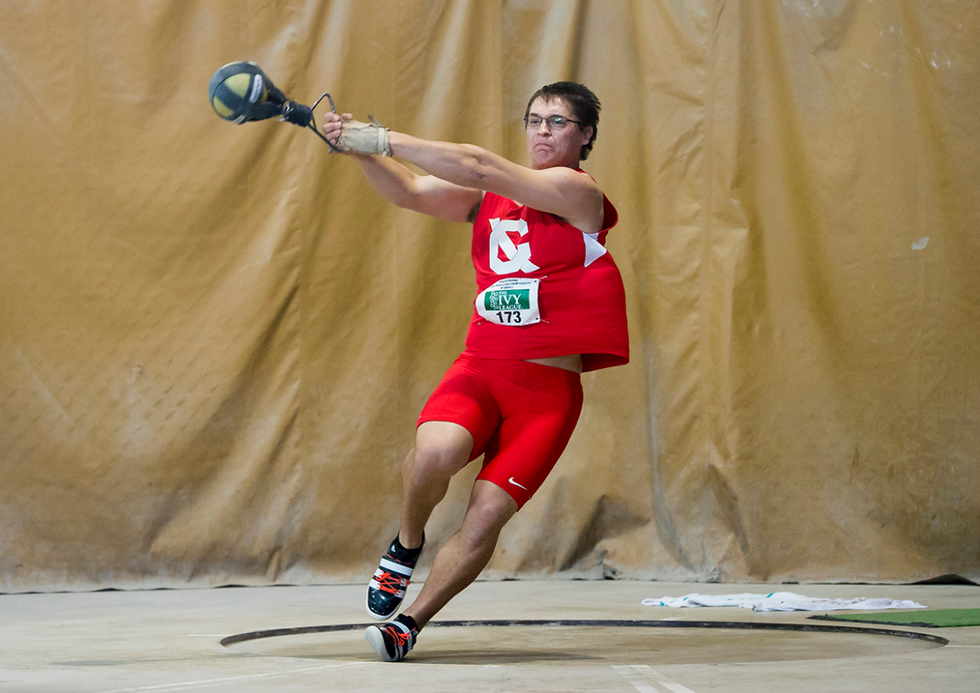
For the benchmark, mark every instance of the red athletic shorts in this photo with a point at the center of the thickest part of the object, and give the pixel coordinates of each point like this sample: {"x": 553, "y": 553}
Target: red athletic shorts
{"x": 520, "y": 414}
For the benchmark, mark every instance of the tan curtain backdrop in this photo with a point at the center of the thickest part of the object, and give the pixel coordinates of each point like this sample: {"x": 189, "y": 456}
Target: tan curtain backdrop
{"x": 215, "y": 339}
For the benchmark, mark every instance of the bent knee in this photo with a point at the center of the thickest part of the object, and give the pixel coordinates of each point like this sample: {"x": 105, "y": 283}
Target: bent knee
{"x": 437, "y": 460}
{"x": 486, "y": 516}
{"x": 441, "y": 448}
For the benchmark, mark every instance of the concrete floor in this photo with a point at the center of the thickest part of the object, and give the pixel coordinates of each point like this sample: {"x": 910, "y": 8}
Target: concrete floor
{"x": 161, "y": 641}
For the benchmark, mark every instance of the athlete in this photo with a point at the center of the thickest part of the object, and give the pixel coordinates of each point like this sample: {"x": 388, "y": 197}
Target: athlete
{"x": 550, "y": 305}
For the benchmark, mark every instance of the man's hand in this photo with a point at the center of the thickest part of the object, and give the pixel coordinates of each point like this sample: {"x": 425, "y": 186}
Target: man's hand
{"x": 350, "y": 135}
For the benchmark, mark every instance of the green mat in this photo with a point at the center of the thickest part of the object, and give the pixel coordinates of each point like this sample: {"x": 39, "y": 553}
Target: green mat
{"x": 941, "y": 618}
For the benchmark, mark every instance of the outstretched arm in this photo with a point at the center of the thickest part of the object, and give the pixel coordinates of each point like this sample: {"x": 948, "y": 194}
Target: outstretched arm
{"x": 404, "y": 188}
{"x": 453, "y": 168}
{"x": 426, "y": 194}
{"x": 559, "y": 190}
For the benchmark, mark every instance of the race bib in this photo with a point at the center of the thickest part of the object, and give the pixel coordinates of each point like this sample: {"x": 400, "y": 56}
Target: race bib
{"x": 512, "y": 302}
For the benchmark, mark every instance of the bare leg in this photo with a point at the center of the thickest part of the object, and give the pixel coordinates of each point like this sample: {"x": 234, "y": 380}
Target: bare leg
{"x": 467, "y": 552}
{"x": 441, "y": 449}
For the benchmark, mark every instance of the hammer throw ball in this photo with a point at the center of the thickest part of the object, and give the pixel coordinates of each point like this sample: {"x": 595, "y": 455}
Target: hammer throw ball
{"x": 240, "y": 92}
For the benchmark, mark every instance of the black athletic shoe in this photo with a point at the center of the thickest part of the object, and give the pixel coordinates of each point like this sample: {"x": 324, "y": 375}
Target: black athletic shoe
{"x": 390, "y": 582}
{"x": 394, "y": 640}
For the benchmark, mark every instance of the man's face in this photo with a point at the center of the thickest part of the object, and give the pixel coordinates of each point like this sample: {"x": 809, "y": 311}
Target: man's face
{"x": 555, "y": 146}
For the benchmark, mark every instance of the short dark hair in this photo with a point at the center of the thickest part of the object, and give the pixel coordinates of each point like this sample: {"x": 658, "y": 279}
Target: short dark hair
{"x": 583, "y": 102}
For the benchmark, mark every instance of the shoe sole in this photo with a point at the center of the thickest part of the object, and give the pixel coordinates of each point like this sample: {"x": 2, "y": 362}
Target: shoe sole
{"x": 377, "y": 642}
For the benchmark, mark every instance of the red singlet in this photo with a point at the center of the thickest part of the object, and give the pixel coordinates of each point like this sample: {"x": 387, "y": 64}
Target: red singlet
{"x": 545, "y": 289}
{"x": 580, "y": 293}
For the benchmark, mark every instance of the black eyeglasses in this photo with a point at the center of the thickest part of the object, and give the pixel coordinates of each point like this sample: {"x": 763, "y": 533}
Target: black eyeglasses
{"x": 555, "y": 122}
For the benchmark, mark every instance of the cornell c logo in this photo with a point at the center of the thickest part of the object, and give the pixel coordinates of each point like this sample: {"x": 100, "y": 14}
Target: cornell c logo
{"x": 518, "y": 256}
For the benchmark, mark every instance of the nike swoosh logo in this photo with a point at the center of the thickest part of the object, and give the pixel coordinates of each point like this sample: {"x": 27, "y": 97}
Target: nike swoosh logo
{"x": 511, "y": 480}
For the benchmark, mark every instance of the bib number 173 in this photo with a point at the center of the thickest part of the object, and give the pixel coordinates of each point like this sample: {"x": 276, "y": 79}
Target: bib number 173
{"x": 512, "y": 302}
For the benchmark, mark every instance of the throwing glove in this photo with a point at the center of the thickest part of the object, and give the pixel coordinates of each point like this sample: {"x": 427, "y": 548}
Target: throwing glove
{"x": 364, "y": 138}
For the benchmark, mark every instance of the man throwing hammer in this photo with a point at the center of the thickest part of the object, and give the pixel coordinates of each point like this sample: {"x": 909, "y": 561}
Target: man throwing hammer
{"x": 550, "y": 305}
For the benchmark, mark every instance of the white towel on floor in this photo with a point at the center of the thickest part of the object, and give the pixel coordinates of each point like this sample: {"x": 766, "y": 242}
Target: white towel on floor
{"x": 781, "y": 601}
